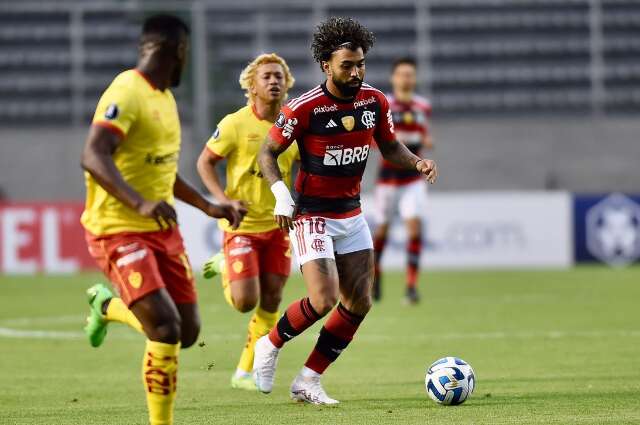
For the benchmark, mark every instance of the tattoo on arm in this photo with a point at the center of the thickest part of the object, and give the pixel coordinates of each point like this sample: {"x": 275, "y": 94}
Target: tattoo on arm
{"x": 398, "y": 154}
{"x": 268, "y": 160}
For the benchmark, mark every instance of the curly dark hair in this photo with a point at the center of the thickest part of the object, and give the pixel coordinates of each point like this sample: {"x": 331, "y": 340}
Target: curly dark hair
{"x": 337, "y": 33}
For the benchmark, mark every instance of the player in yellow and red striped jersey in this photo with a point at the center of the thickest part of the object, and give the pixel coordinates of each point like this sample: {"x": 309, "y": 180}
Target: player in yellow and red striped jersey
{"x": 256, "y": 258}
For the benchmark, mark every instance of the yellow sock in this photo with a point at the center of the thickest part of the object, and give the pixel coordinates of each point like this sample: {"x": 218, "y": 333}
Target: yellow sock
{"x": 260, "y": 324}
{"x": 226, "y": 287}
{"x": 117, "y": 311}
{"x": 159, "y": 376}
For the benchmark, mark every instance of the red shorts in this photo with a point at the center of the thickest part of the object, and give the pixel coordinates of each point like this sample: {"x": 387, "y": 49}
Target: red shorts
{"x": 140, "y": 263}
{"x": 251, "y": 254}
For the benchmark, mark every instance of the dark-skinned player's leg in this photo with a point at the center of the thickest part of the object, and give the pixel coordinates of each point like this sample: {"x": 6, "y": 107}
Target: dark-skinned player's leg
{"x": 159, "y": 317}
{"x": 161, "y": 322}
{"x": 414, "y": 247}
{"x": 170, "y": 319}
{"x": 379, "y": 242}
{"x": 190, "y": 324}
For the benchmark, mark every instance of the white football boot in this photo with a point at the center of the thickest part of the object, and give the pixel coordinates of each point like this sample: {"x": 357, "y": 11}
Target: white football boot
{"x": 307, "y": 388}
{"x": 264, "y": 364}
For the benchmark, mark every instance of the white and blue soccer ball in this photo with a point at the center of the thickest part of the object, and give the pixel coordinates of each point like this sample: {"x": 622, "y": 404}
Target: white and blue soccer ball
{"x": 450, "y": 381}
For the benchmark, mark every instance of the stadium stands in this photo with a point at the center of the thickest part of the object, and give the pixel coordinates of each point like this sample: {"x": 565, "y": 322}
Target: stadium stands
{"x": 485, "y": 56}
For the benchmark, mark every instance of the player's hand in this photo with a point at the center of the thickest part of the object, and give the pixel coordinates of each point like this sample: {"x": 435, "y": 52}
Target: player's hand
{"x": 238, "y": 205}
{"x": 163, "y": 213}
{"x": 284, "y": 222}
{"x": 429, "y": 168}
{"x": 233, "y": 211}
{"x": 285, "y": 207}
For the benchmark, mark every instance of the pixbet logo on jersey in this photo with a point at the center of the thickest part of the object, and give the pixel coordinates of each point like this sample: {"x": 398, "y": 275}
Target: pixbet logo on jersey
{"x": 338, "y": 155}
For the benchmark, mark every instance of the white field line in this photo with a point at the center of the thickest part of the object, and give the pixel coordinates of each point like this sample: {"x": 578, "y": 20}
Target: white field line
{"x": 8, "y": 330}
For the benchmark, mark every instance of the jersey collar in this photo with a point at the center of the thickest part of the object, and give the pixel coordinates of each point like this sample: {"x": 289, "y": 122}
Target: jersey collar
{"x": 255, "y": 112}
{"x": 146, "y": 78}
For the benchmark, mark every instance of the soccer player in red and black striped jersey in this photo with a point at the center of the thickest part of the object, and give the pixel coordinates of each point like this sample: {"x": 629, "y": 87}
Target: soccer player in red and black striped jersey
{"x": 334, "y": 125}
{"x": 400, "y": 191}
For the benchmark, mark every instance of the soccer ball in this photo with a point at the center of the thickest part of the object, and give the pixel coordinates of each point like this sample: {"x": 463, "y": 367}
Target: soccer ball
{"x": 450, "y": 381}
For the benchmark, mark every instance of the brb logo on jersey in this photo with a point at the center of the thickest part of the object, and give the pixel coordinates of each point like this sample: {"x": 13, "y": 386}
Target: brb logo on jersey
{"x": 338, "y": 155}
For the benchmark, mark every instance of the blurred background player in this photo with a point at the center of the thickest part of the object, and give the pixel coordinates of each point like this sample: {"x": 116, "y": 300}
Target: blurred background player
{"x": 334, "y": 125}
{"x": 131, "y": 162}
{"x": 400, "y": 191}
{"x": 256, "y": 257}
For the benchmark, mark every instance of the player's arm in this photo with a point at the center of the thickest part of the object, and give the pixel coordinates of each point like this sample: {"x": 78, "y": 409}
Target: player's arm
{"x": 187, "y": 193}
{"x": 207, "y": 162}
{"x": 97, "y": 160}
{"x": 268, "y": 163}
{"x": 427, "y": 141}
{"x": 398, "y": 154}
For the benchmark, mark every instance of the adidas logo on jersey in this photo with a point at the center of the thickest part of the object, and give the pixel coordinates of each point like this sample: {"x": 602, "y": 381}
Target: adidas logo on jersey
{"x": 331, "y": 124}
{"x": 336, "y": 155}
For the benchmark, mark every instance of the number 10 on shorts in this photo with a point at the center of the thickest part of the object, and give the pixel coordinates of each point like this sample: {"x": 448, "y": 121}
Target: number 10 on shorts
{"x": 310, "y": 239}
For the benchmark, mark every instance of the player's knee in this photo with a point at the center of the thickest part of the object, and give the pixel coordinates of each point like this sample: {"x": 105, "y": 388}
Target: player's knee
{"x": 245, "y": 303}
{"x": 270, "y": 301}
{"x": 168, "y": 331}
{"x": 360, "y": 306}
{"x": 190, "y": 331}
{"x": 190, "y": 336}
{"x": 324, "y": 304}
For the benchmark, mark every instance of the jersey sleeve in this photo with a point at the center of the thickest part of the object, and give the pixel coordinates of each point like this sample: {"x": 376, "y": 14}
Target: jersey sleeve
{"x": 288, "y": 127}
{"x": 117, "y": 109}
{"x": 384, "y": 132}
{"x": 224, "y": 139}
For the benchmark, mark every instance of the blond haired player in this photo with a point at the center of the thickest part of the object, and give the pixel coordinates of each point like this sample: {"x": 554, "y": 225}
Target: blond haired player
{"x": 256, "y": 258}
{"x": 131, "y": 163}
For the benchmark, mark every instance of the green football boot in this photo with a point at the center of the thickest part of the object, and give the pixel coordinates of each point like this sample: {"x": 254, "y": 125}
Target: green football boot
{"x": 213, "y": 266}
{"x": 96, "y": 328}
{"x": 243, "y": 383}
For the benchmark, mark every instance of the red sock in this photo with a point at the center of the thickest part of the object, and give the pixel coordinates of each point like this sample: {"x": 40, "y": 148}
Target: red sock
{"x": 378, "y": 247}
{"x": 298, "y": 317}
{"x": 413, "y": 261}
{"x": 335, "y": 336}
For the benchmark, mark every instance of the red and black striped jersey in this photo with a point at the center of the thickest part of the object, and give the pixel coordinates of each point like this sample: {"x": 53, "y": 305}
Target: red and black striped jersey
{"x": 411, "y": 121}
{"x": 334, "y": 137}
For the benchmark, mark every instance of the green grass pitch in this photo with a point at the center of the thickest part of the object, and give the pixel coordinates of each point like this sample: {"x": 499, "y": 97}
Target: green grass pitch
{"x": 548, "y": 347}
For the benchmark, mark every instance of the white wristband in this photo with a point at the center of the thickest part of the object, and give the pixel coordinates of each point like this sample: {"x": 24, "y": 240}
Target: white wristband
{"x": 284, "y": 202}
